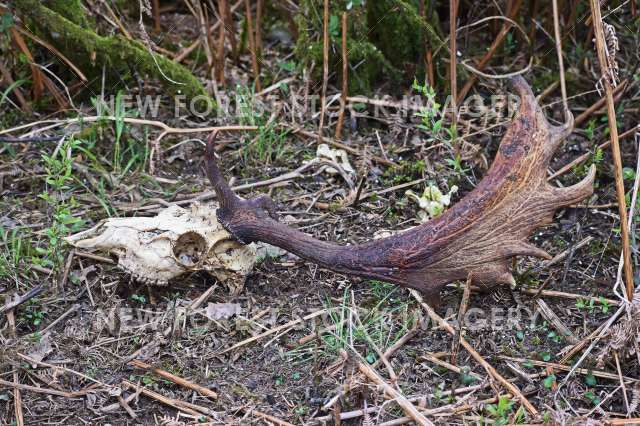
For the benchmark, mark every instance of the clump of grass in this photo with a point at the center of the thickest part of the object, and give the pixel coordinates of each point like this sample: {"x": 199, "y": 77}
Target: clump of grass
{"x": 15, "y": 248}
{"x": 269, "y": 144}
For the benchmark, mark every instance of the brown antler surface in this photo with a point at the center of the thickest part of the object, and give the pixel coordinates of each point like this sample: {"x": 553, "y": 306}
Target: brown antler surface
{"x": 476, "y": 237}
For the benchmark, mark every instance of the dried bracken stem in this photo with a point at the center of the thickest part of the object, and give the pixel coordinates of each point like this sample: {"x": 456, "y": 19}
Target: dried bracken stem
{"x": 409, "y": 409}
{"x": 193, "y": 409}
{"x": 563, "y": 85}
{"x": 464, "y": 303}
{"x": 175, "y": 379}
{"x": 39, "y": 79}
{"x": 560, "y": 367}
{"x": 488, "y": 367}
{"x": 325, "y": 67}
{"x": 221, "y": 51}
{"x": 259, "y": 13}
{"x": 273, "y": 331}
{"x": 622, "y": 385}
{"x": 554, "y": 320}
{"x": 605, "y": 67}
{"x": 17, "y": 395}
{"x": 252, "y": 46}
{"x": 453, "y": 17}
{"x": 156, "y": 16}
{"x": 428, "y": 53}
{"x": 345, "y": 77}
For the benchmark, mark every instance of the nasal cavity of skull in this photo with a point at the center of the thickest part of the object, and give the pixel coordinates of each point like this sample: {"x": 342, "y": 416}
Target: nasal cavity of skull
{"x": 189, "y": 249}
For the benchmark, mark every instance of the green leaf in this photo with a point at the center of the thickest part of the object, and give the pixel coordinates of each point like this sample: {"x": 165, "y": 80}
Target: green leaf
{"x": 334, "y": 26}
{"x": 6, "y": 22}
{"x": 628, "y": 173}
{"x": 590, "y": 380}
{"x": 549, "y": 381}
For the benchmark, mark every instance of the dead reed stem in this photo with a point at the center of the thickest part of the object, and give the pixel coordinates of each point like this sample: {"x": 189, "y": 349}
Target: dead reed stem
{"x": 453, "y": 12}
{"x": 345, "y": 77}
{"x": 325, "y": 67}
{"x": 563, "y": 86}
{"x": 615, "y": 144}
{"x": 252, "y": 46}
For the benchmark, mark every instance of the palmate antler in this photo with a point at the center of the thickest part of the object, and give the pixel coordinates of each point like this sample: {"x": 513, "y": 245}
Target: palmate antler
{"x": 476, "y": 237}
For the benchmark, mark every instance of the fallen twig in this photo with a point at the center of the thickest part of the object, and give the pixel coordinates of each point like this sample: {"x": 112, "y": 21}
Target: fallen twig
{"x": 551, "y": 316}
{"x": 19, "y": 300}
{"x": 409, "y": 409}
{"x": 565, "y": 295}
{"x": 193, "y": 409}
{"x": 273, "y": 330}
{"x": 461, "y": 312}
{"x": 175, "y": 379}
{"x": 345, "y": 77}
{"x": 556, "y": 366}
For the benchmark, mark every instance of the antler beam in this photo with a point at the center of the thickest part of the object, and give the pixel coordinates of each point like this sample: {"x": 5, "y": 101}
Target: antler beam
{"x": 476, "y": 237}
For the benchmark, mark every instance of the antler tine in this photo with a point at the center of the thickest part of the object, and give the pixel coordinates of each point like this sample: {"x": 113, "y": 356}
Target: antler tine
{"x": 226, "y": 197}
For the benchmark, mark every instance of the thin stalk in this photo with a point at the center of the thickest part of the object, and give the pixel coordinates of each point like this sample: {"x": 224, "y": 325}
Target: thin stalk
{"x": 615, "y": 145}
{"x": 345, "y": 77}
{"x": 325, "y": 66}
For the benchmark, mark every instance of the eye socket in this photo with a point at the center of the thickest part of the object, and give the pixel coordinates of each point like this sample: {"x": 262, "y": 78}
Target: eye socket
{"x": 189, "y": 249}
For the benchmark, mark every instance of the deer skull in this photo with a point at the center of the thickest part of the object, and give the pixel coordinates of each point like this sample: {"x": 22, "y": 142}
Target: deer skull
{"x": 157, "y": 249}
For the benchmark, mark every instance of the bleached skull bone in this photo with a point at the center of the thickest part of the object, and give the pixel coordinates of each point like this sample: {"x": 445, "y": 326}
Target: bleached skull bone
{"x": 157, "y": 249}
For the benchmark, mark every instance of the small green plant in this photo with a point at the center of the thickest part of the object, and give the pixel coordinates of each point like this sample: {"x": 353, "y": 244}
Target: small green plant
{"x": 585, "y": 305}
{"x": 431, "y": 115}
{"x": 549, "y": 381}
{"x": 59, "y": 198}
{"x": 592, "y": 397}
{"x": 501, "y": 411}
{"x": 628, "y": 173}
{"x": 35, "y": 317}
{"x": 139, "y": 298}
{"x": 582, "y": 169}
{"x": 456, "y": 164}
{"x": 554, "y": 336}
{"x": 591, "y": 127}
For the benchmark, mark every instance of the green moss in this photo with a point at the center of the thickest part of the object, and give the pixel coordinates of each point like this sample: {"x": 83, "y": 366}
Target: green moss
{"x": 397, "y": 29}
{"x": 386, "y": 37}
{"x": 81, "y": 44}
{"x": 70, "y": 9}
